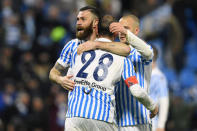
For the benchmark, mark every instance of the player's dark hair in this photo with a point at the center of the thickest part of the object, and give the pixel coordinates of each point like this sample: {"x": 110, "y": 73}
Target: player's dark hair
{"x": 103, "y": 28}
{"x": 93, "y": 10}
{"x": 155, "y": 51}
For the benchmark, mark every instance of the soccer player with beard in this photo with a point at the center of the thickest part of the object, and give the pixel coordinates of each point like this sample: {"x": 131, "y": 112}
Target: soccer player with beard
{"x": 86, "y": 29}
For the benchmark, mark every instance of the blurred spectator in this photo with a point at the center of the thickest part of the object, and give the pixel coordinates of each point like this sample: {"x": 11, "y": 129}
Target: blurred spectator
{"x": 38, "y": 118}
{"x": 12, "y": 31}
{"x": 16, "y": 115}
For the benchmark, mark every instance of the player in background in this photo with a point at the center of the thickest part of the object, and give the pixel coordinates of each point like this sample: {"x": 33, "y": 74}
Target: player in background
{"x": 131, "y": 115}
{"x": 91, "y": 103}
{"x": 159, "y": 93}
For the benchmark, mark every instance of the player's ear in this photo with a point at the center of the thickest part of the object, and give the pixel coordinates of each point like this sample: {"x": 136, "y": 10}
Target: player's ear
{"x": 95, "y": 23}
{"x": 137, "y": 30}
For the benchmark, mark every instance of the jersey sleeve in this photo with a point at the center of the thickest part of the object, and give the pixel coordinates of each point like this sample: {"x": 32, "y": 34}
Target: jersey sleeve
{"x": 128, "y": 73}
{"x": 65, "y": 55}
{"x": 144, "y": 49}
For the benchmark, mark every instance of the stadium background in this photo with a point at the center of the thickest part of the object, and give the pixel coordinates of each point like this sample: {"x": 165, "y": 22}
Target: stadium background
{"x": 33, "y": 32}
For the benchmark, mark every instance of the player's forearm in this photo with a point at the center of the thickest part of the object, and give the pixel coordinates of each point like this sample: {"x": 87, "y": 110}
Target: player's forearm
{"x": 139, "y": 45}
{"x": 163, "y": 112}
{"x": 55, "y": 75}
{"x": 114, "y": 47}
{"x": 57, "y": 72}
{"x": 142, "y": 96}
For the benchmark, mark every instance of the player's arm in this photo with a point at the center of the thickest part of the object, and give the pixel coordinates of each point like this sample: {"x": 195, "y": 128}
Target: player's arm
{"x": 142, "y": 47}
{"x": 113, "y": 47}
{"x": 139, "y": 93}
{"x": 58, "y": 75}
{"x": 163, "y": 104}
{"x": 58, "y": 72}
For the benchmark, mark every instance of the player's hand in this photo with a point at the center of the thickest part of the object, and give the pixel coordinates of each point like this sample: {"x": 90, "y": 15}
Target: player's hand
{"x": 116, "y": 27}
{"x": 160, "y": 129}
{"x": 67, "y": 83}
{"x": 154, "y": 112}
{"x": 86, "y": 46}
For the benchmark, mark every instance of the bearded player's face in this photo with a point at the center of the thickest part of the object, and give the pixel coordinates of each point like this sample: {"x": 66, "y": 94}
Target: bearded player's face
{"x": 84, "y": 25}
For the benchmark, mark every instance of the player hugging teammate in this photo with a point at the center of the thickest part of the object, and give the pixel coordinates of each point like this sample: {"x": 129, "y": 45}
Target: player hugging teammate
{"x": 92, "y": 108}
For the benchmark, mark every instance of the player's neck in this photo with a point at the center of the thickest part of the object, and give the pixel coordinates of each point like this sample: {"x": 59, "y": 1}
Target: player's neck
{"x": 154, "y": 65}
{"x": 107, "y": 37}
{"x": 92, "y": 37}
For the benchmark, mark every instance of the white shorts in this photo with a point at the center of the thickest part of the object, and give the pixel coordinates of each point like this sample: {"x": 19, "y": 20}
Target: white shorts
{"x": 83, "y": 124}
{"x": 141, "y": 127}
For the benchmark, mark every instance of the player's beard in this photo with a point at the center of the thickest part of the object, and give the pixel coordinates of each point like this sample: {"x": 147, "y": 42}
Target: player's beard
{"x": 83, "y": 33}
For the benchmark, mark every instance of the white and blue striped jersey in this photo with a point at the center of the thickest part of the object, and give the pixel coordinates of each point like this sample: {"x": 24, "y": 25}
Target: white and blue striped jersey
{"x": 158, "y": 90}
{"x": 95, "y": 74}
{"x": 66, "y": 53}
{"x": 129, "y": 110}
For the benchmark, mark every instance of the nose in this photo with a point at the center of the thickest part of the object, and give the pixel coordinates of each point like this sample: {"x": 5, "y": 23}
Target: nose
{"x": 79, "y": 22}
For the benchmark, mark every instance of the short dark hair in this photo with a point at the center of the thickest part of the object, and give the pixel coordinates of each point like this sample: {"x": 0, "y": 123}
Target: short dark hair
{"x": 93, "y": 10}
{"x": 105, "y": 22}
{"x": 155, "y": 51}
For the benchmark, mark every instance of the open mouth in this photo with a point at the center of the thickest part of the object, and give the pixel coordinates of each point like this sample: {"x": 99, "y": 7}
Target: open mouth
{"x": 79, "y": 29}
{"x": 122, "y": 37}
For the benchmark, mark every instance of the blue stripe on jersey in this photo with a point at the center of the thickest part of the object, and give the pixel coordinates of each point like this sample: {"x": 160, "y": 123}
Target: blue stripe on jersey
{"x": 142, "y": 115}
{"x": 128, "y": 105}
{"x": 141, "y": 84}
{"x": 75, "y": 55}
{"x": 73, "y": 100}
{"x": 137, "y": 113}
{"x": 124, "y": 107}
{"x": 85, "y": 105}
{"x": 69, "y": 102}
{"x": 120, "y": 103}
{"x": 108, "y": 107}
{"x": 75, "y": 111}
{"x": 143, "y": 87}
{"x": 71, "y": 51}
{"x": 100, "y": 106}
{"x": 132, "y": 51}
{"x": 95, "y": 107}
{"x": 91, "y": 102}
{"x": 68, "y": 50}
{"x": 66, "y": 56}
{"x": 132, "y": 101}
{"x": 129, "y": 65}
{"x": 139, "y": 69}
{"x": 132, "y": 111}
{"x": 105, "y": 99}
{"x": 62, "y": 53}
{"x": 127, "y": 91}
{"x": 80, "y": 106}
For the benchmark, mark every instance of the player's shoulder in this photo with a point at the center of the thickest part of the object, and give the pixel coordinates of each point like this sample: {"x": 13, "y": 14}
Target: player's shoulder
{"x": 74, "y": 41}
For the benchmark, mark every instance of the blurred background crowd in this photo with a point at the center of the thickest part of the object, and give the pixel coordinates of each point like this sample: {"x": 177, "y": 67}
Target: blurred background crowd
{"x": 33, "y": 32}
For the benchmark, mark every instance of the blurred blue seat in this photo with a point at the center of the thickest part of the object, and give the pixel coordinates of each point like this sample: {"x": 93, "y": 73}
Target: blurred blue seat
{"x": 187, "y": 78}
